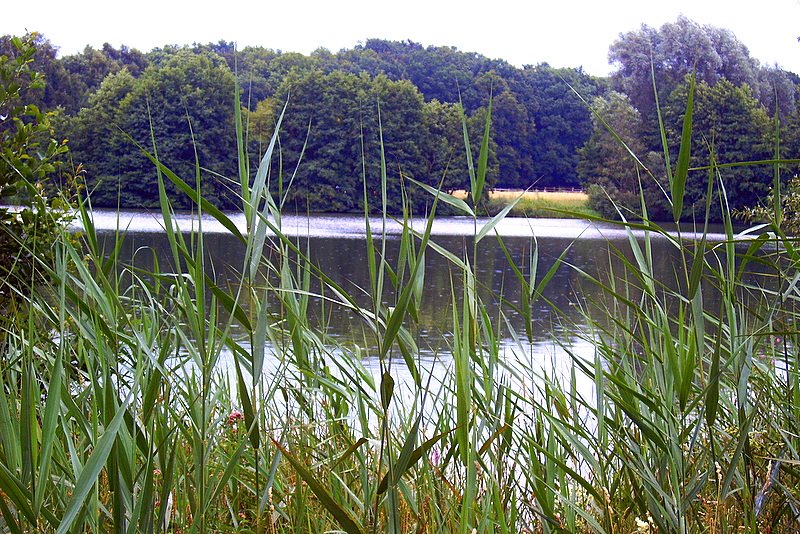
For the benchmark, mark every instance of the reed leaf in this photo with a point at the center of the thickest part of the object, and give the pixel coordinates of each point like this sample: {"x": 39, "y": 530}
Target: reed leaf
{"x": 345, "y": 519}
{"x": 677, "y": 185}
{"x": 91, "y": 470}
{"x": 447, "y": 198}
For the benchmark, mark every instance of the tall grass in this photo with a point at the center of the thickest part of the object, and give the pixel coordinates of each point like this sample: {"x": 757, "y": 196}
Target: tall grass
{"x": 129, "y": 404}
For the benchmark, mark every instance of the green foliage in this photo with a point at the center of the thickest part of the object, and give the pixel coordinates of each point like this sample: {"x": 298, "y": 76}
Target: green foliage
{"x": 332, "y": 121}
{"x": 790, "y": 208}
{"x": 672, "y": 52}
{"x": 30, "y": 161}
{"x": 733, "y": 98}
{"x": 155, "y": 409}
{"x": 86, "y": 71}
{"x": 563, "y": 122}
{"x": 610, "y": 167}
{"x": 729, "y": 126}
{"x": 538, "y": 130}
{"x": 185, "y": 102}
{"x": 57, "y": 92}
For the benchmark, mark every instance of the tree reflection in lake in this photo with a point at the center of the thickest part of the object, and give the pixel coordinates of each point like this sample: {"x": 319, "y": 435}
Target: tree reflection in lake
{"x": 337, "y": 245}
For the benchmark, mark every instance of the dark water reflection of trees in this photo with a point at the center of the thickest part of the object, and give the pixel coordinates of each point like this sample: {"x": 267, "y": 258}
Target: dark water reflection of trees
{"x": 336, "y": 247}
{"x": 344, "y": 259}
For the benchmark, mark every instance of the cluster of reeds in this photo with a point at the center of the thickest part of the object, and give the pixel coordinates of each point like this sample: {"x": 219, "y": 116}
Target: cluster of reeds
{"x": 131, "y": 401}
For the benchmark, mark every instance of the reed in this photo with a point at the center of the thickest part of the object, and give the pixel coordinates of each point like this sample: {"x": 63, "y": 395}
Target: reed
{"x": 155, "y": 400}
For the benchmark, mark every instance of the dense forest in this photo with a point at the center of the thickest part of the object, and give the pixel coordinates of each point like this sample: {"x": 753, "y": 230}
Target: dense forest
{"x": 548, "y": 125}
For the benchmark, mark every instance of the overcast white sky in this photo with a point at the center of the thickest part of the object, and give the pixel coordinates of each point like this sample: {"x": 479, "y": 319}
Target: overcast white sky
{"x": 564, "y": 33}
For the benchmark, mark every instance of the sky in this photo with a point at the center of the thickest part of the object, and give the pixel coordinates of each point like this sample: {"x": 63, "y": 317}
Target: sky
{"x": 563, "y": 33}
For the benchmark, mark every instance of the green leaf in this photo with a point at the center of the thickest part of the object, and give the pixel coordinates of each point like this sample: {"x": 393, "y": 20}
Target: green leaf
{"x": 17, "y": 493}
{"x": 678, "y": 184}
{"x": 489, "y": 226}
{"x": 247, "y": 406}
{"x": 49, "y": 426}
{"x": 350, "y": 450}
{"x": 455, "y": 202}
{"x": 190, "y": 192}
{"x": 387, "y": 389}
{"x": 712, "y": 395}
{"x": 342, "y": 516}
{"x": 91, "y": 471}
{"x": 483, "y": 158}
{"x": 410, "y": 459}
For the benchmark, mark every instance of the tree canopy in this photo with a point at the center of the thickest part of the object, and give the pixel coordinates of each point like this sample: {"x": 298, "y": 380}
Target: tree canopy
{"x": 339, "y": 106}
{"x": 734, "y": 98}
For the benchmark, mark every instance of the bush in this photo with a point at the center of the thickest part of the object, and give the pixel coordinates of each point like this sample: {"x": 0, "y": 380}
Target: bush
{"x": 790, "y": 209}
{"x": 30, "y": 159}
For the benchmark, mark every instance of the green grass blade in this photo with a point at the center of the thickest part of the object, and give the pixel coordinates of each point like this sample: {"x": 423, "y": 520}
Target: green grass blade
{"x": 192, "y": 194}
{"x": 408, "y": 461}
{"x": 494, "y": 221}
{"x": 483, "y": 157}
{"x": 345, "y": 519}
{"x": 678, "y": 184}
{"x": 17, "y": 493}
{"x": 250, "y": 419}
{"x": 49, "y": 427}
{"x": 91, "y": 471}
{"x": 448, "y": 199}
{"x": 777, "y": 204}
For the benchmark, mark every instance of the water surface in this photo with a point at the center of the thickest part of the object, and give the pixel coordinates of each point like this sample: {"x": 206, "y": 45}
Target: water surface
{"x": 337, "y": 245}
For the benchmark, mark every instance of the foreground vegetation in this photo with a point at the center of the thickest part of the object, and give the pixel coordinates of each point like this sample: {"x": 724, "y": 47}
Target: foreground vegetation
{"x": 128, "y": 404}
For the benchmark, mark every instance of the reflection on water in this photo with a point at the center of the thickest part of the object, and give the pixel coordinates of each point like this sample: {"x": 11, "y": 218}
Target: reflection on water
{"x": 336, "y": 244}
{"x": 353, "y": 227}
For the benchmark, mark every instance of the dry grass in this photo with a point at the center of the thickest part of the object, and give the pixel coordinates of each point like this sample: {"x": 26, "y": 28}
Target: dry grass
{"x": 561, "y": 204}
{"x": 551, "y": 196}
{"x": 547, "y": 196}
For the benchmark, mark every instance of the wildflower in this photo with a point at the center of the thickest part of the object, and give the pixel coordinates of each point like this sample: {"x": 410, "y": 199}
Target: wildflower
{"x": 234, "y": 417}
{"x": 156, "y": 472}
{"x": 642, "y": 527}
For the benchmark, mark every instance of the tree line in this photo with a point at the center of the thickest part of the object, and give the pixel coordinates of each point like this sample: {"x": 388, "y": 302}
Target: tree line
{"x": 341, "y": 110}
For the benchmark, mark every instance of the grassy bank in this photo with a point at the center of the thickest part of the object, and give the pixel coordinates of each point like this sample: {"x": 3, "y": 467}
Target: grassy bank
{"x": 568, "y": 204}
{"x": 128, "y": 405}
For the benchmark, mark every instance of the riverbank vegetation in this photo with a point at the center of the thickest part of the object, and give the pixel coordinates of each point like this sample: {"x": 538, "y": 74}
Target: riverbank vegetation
{"x": 543, "y": 134}
{"x": 566, "y": 203}
{"x": 154, "y": 399}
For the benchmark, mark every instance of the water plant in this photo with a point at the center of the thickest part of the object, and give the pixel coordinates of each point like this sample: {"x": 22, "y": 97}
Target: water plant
{"x": 160, "y": 400}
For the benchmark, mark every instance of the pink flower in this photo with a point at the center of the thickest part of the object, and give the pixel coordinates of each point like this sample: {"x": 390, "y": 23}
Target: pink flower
{"x": 234, "y": 417}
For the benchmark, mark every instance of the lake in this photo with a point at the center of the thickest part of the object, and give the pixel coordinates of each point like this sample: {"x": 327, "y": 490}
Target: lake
{"x": 337, "y": 244}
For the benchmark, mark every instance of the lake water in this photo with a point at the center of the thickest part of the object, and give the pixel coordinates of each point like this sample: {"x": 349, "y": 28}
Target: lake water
{"x": 337, "y": 244}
